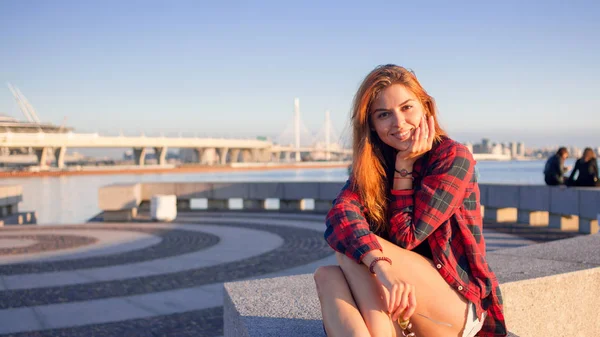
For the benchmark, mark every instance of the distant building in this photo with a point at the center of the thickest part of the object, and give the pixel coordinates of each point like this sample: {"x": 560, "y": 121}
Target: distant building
{"x": 485, "y": 145}
{"x": 513, "y": 149}
{"x": 521, "y": 149}
{"x": 496, "y": 149}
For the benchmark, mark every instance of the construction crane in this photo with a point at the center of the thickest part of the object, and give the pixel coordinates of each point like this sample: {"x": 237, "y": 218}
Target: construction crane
{"x": 24, "y": 105}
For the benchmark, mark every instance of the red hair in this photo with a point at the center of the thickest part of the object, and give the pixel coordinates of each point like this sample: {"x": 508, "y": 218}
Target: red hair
{"x": 373, "y": 159}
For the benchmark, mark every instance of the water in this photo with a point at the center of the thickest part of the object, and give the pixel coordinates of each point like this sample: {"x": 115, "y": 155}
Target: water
{"x": 74, "y": 199}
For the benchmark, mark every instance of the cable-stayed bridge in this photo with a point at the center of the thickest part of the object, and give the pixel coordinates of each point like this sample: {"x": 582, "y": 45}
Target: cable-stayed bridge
{"x": 293, "y": 144}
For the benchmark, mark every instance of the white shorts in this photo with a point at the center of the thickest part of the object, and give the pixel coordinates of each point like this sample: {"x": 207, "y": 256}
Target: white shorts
{"x": 473, "y": 324}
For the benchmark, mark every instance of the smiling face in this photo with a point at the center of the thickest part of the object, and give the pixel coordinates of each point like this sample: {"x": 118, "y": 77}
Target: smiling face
{"x": 395, "y": 114}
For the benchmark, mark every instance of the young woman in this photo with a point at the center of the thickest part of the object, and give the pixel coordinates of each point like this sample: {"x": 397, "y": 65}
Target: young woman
{"x": 587, "y": 166}
{"x": 407, "y": 225}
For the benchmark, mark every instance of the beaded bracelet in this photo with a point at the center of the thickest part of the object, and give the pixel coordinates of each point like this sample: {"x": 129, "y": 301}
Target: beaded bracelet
{"x": 372, "y": 265}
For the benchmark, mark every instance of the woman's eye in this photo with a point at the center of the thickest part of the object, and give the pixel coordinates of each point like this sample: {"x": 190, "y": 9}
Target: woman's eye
{"x": 407, "y": 107}
{"x": 383, "y": 114}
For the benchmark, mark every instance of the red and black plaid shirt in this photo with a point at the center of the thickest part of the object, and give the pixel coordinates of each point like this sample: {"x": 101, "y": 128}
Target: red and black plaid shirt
{"x": 442, "y": 208}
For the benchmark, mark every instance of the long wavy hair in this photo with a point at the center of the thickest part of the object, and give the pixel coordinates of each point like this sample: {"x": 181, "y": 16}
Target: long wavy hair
{"x": 588, "y": 154}
{"x": 373, "y": 160}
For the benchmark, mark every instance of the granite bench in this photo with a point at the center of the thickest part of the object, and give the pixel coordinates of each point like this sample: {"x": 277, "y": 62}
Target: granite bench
{"x": 549, "y": 289}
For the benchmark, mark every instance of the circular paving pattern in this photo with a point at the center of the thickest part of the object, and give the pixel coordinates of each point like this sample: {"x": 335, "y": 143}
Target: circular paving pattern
{"x": 174, "y": 242}
{"x": 43, "y": 243}
{"x": 182, "y": 301}
{"x": 138, "y": 286}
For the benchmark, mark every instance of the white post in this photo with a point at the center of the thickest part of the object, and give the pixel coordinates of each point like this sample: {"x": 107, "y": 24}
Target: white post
{"x": 327, "y": 135}
{"x": 297, "y": 126}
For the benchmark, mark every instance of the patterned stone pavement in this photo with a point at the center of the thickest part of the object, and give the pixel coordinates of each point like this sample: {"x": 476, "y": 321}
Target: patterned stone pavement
{"x": 172, "y": 287}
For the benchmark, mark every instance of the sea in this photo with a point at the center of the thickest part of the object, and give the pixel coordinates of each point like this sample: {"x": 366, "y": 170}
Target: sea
{"x": 74, "y": 199}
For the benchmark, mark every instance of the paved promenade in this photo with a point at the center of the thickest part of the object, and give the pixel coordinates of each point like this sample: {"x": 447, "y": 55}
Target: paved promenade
{"x": 152, "y": 279}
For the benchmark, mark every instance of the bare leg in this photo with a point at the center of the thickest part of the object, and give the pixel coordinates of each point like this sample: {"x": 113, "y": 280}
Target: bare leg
{"x": 435, "y": 298}
{"x": 340, "y": 313}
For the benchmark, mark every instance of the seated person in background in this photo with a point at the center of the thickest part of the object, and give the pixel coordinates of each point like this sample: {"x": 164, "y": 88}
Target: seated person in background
{"x": 587, "y": 166}
{"x": 555, "y": 168}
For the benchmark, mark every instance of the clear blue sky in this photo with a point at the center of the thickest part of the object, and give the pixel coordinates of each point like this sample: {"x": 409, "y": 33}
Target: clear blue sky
{"x": 508, "y": 69}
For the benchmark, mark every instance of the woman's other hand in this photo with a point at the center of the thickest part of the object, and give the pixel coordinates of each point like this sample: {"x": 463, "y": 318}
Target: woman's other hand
{"x": 399, "y": 296}
{"x": 422, "y": 142}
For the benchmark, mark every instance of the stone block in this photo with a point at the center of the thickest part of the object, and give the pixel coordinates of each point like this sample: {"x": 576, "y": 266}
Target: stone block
{"x": 323, "y": 205}
{"x": 163, "y": 188}
{"x": 587, "y": 226}
{"x": 119, "y": 197}
{"x": 547, "y": 289}
{"x": 329, "y": 190}
{"x": 230, "y": 190}
{"x": 119, "y": 216}
{"x": 193, "y": 190}
{"x": 563, "y": 222}
{"x": 304, "y": 190}
{"x": 564, "y": 200}
{"x": 502, "y": 196}
{"x": 532, "y": 218}
{"x": 500, "y": 214}
{"x": 534, "y": 198}
{"x": 265, "y": 190}
{"x": 291, "y": 205}
{"x": 483, "y": 191}
{"x": 163, "y": 207}
{"x": 254, "y": 205}
{"x": 184, "y": 205}
{"x": 589, "y": 203}
{"x": 276, "y": 307}
{"x": 10, "y": 194}
{"x": 216, "y": 204}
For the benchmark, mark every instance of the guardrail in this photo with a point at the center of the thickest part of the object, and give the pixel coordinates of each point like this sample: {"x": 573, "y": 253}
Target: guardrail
{"x": 555, "y": 207}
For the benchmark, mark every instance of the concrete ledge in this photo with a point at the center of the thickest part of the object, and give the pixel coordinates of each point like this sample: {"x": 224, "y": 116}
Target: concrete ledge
{"x": 10, "y": 194}
{"x": 119, "y": 216}
{"x": 19, "y": 218}
{"x": 549, "y": 289}
{"x": 500, "y": 203}
{"x": 119, "y": 197}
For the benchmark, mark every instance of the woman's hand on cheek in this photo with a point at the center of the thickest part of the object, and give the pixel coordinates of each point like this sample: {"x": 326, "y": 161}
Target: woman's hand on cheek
{"x": 422, "y": 142}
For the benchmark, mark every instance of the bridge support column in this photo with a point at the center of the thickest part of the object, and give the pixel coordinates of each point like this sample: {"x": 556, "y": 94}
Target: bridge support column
{"x": 222, "y": 152}
{"x": 59, "y": 156}
{"x": 246, "y": 156}
{"x": 139, "y": 155}
{"x": 276, "y": 156}
{"x": 287, "y": 156}
{"x": 234, "y": 155}
{"x": 255, "y": 155}
{"x": 265, "y": 155}
{"x": 42, "y": 156}
{"x": 161, "y": 155}
{"x": 199, "y": 152}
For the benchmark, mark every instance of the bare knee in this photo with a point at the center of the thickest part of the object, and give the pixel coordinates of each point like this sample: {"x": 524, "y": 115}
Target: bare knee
{"x": 327, "y": 275}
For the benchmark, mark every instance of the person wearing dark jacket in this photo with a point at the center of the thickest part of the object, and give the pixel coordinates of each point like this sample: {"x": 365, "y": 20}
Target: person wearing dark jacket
{"x": 555, "y": 169}
{"x": 587, "y": 166}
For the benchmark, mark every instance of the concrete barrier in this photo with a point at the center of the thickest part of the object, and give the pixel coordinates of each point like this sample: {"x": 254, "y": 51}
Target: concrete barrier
{"x": 563, "y": 208}
{"x": 10, "y": 198}
{"x": 119, "y": 201}
{"x": 548, "y": 289}
{"x": 502, "y": 202}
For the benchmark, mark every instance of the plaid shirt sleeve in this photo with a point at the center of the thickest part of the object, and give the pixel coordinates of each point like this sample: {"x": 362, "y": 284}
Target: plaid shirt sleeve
{"x": 415, "y": 215}
{"x": 348, "y": 231}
